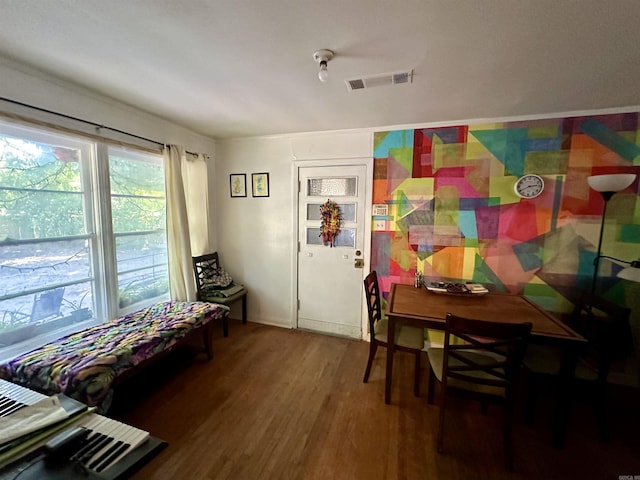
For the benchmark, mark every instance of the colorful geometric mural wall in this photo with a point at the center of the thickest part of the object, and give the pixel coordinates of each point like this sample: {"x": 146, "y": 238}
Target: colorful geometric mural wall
{"x": 453, "y": 213}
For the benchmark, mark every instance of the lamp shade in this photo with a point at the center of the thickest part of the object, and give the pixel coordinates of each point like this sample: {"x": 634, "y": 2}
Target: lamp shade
{"x": 612, "y": 182}
{"x": 630, "y": 273}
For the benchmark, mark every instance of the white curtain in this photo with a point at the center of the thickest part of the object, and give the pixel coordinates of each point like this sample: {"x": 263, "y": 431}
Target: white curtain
{"x": 196, "y": 185}
{"x": 181, "y": 281}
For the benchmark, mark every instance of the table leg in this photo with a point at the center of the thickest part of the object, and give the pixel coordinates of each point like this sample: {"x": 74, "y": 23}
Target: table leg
{"x": 563, "y": 400}
{"x": 391, "y": 328}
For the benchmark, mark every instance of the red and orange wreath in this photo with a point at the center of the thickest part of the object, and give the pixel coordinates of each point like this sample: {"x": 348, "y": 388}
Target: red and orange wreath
{"x": 331, "y": 221}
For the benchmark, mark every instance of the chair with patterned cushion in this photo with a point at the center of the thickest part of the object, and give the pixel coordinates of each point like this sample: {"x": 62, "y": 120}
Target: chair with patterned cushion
{"x": 480, "y": 360}
{"x": 407, "y": 339}
{"x": 204, "y": 268}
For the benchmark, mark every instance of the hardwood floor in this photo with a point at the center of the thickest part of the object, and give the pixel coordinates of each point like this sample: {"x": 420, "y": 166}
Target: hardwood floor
{"x": 282, "y": 404}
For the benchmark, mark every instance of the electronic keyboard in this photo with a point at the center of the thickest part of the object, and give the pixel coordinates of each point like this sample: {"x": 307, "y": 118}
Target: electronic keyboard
{"x": 98, "y": 448}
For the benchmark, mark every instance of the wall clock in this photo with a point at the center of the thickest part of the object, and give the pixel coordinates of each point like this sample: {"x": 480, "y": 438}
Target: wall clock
{"x": 529, "y": 186}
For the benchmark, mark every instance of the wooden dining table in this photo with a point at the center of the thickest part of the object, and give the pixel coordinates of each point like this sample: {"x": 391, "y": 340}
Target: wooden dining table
{"x": 422, "y": 308}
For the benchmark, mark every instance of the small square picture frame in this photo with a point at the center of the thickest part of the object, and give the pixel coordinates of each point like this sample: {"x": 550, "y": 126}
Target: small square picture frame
{"x": 238, "y": 184}
{"x": 260, "y": 184}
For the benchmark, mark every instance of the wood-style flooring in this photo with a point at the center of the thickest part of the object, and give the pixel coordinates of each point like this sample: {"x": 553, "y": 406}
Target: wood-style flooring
{"x": 284, "y": 404}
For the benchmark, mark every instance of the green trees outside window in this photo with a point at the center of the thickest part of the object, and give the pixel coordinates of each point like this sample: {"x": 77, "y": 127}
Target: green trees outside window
{"x": 82, "y": 231}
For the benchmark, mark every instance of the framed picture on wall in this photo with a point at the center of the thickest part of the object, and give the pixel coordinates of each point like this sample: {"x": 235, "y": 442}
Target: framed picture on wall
{"x": 238, "y": 184}
{"x": 260, "y": 184}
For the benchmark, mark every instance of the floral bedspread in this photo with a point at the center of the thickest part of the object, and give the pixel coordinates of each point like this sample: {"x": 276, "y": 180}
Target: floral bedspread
{"x": 84, "y": 365}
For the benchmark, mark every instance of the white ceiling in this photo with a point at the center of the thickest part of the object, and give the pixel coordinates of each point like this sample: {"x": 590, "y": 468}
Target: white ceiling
{"x": 226, "y": 68}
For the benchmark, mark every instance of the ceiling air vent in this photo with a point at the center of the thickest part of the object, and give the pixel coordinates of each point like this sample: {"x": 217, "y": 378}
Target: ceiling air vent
{"x": 357, "y": 84}
{"x": 379, "y": 80}
{"x": 403, "y": 77}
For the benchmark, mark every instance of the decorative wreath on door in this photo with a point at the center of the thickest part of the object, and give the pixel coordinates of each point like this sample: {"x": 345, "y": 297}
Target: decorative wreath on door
{"x": 331, "y": 221}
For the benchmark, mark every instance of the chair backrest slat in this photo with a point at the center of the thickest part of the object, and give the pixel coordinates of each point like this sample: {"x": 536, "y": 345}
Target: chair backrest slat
{"x": 203, "y": 267}
{"x": 491, "y": 354}
{"x": 372, "y": 295}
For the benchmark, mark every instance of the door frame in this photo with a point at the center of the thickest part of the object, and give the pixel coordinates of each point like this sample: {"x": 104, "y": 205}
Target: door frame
{"x": 333, "y": 162}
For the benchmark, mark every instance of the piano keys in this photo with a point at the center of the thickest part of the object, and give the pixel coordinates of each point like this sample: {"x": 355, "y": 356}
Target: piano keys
{"x": 14, "y": 397}
{"x": 109, "y": 450}
{"x": 107, "y": 442}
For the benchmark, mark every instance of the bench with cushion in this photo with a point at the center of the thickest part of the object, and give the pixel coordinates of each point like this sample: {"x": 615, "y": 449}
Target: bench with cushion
{"x": 86, "y": 365}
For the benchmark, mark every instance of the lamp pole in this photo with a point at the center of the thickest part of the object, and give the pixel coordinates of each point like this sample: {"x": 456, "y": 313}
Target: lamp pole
{"x": 596, "y": 262}
{"x": 607, "y": 185}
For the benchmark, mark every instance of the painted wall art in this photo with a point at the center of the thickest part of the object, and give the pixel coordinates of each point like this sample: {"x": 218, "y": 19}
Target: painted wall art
{"x": 454, "y": 213}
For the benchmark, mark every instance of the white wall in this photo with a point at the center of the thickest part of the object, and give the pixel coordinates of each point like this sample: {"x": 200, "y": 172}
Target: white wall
{"x": 255, "y": 235}
{"x": 29, "y": 86}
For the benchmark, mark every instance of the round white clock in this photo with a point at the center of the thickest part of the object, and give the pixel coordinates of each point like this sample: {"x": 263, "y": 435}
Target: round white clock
{"x": 529, "y": 186}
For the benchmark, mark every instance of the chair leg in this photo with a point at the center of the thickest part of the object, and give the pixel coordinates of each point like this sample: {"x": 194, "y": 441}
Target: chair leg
{"x": 530, "y": 401}
{"x": 225, "y": 325}
{"x": 601, "y": 410}
{"x": 207, "y": 339}
{"x": 431, "y": 387}
{"x": 372, "y": 353}
{"x": 507, "y": 436}
{"x": 244, "y": 309}
{"x": 416, "y": 378}
{"x": 440, "y": 444}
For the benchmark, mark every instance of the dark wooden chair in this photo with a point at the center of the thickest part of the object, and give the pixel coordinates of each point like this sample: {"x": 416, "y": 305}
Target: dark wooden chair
{"x": 480, "y": 360}
{"x": 407, "y": 339}
{"x": 605, "y": 325}
{"x": 204, "y": 266}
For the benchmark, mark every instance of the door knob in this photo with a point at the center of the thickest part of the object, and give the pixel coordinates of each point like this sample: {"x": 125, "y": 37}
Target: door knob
{"x": 358, "y": 263}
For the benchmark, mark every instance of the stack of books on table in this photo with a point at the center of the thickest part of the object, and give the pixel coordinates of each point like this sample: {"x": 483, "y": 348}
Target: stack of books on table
{"x": 476, "y": 288}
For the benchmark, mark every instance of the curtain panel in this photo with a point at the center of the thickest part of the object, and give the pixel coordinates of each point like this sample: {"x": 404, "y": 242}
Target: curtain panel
{"x": 181, "y": 280}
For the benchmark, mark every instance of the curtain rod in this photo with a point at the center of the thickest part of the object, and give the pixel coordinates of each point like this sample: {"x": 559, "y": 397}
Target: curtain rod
{"x": 88, "y": 122}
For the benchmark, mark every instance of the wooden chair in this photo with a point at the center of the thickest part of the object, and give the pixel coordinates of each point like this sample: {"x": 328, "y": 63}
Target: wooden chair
{"x": 407, "y": 339}
{"x": 605, "y": 325}
{"x": 204, "y": 266}
{"x": 480, "y": 360}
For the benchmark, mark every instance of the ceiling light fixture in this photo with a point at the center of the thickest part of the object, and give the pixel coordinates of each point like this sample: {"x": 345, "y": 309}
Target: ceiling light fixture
{"x": 322, "y": 57}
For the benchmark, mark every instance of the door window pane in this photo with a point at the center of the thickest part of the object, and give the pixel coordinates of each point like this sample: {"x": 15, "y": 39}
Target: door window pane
{"x": 346, "y": 237}
{"x": 332, "y": 187}
{"x": 348, "y": 211}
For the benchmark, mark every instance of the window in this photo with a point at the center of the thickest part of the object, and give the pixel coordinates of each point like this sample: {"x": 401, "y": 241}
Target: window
{"x": 336, "y": 187}
{"x": 82, "y": 235}
{"x": 346, "y": 237}
{"x": 138, "y": 213}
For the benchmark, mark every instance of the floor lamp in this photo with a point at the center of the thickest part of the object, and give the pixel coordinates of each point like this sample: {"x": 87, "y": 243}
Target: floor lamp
{"x": 608, "y": 185}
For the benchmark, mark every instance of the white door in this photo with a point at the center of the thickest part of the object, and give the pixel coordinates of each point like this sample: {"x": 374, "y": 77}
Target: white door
{"x": 330, "y": 278}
